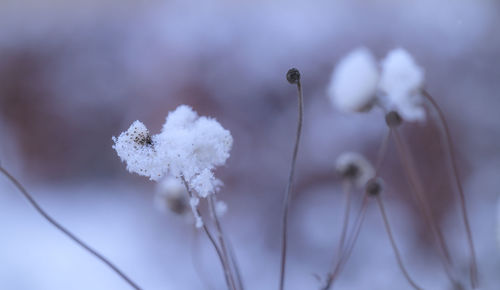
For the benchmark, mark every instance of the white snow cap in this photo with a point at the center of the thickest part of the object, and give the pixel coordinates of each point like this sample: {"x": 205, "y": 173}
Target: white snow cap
{"x": 354, "y": 82}
{"x": 138, "y": 149}
{"x": 401, "y": 81}
{"x": 354, "y": 166}
{"x": 188, "y": 146}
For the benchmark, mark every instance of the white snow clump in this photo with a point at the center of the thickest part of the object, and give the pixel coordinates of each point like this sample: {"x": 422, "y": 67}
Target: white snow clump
{"x": 354, "y": 82}
{"x": 401, "y": 81}
{"x": 188, "y": 147}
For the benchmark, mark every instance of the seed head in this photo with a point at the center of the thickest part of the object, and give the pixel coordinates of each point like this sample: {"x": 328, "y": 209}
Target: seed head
{"x": 354, "y": 167}
{"x": 374, "y": 186}
{"x": 393, "y": 119}
{"x": 293, "y": 76}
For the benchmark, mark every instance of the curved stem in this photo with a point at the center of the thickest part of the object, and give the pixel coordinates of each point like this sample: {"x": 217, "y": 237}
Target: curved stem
{"x": 66, "y": 232}
{"x": 211, "y": 238}
{"x": 350, "y": 244}
{"x": 393, "y": 243}
{"x": 286, "y": 201}
{"x": 454, "y": 173}
{"x": 423, "y": 204}
{"x": 220, "y": 234}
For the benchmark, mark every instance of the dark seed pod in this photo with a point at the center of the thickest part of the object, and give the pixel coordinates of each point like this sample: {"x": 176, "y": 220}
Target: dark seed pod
{"x": 393, "y": 119}
{"x": 293, "y": 76}
{"x": 374, "y": 186}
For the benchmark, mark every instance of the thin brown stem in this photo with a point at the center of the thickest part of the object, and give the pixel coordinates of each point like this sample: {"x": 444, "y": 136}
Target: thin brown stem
{"x": 350, "y": 244}
{"x": 455, "y": 175}
{"x": 220, "y": 235}
{"x": 286, "y": 201}
{"x": 343, "y": 234}
{"x": 393, "y": 244}
{"x": 66, "y": 232}
{"x": 211, "y": 238}
{"x": 423, "y": 204}
{"x": 348, "y": 194}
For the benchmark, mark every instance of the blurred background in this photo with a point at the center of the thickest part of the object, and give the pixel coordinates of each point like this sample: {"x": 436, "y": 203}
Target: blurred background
{"x": 75, "y": 73}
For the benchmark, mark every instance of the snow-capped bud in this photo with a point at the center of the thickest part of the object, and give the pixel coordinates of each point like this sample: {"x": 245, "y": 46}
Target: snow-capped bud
{"x": 293, "y": 76}
{"x": 354, "y": 82}
{"x": 393, "y": 119}
{"x": 354, "y": 167}
{"x": 374, "y": 186}
{"x": 401, "y": 81}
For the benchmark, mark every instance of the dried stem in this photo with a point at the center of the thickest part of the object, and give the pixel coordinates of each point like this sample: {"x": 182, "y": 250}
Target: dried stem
{"x": 343, "y": 234}
{"x": 66, "y": 232}
{"x": 225, "y": 267}
{"x": 286, "y": 201}
{"x": 393, "y": 243}
{"x": 220, "y": 235}
{"x": 350, "y": 245}
{"x": 454, "y": 173}
{"x": 423, "y": 204}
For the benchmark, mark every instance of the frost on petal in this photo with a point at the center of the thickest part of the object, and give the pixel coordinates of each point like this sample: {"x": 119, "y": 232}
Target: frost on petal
{"x": 171, "y": 195}
{"x": 354, "y": 82}
{"x": 353, "y": 166}
{"x": 401, "y": 81}
{"x": 138, "y": 149}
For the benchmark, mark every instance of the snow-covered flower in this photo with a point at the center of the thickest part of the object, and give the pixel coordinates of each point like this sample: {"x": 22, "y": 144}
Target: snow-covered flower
{"x": 189, "y": 146}
{"x": 401, "y": 81}
{"x": 354, "y": 167}
{"x": 171, "y": 195}
{"x": 187, "y": 149}
{"x": 354, "y": 82}
{"x": 140, "y": 151}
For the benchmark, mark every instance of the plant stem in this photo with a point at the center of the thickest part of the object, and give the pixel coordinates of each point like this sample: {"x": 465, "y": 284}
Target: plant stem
{"x": 393, "y": 243}
{"x": 350, "y": 244}
{"x": 66, "y": 232}
{"x": 220, "y": 234}
{"x": 212, "y": 240}
{"x": 454, "y": 173}
{"x": 423, "y": 204}
{"x": 286, "y": 201}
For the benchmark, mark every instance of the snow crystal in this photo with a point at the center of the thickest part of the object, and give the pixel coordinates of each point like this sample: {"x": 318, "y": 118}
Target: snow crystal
{"x": 401, "y": 81}
{"x": 354, "y": 82}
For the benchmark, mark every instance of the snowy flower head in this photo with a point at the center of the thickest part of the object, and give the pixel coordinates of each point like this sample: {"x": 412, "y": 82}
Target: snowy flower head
{"x": 355, "y": 168}
{"x": 139, "y": 150}
{"x": 401, "y": 81}
{"x": 354, "y": 82}
{"x": 188, "y": 147}
{"x": 196, "y": 146}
